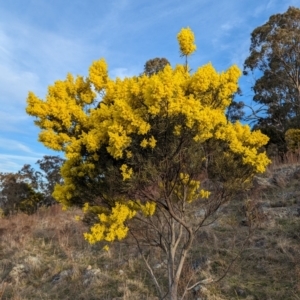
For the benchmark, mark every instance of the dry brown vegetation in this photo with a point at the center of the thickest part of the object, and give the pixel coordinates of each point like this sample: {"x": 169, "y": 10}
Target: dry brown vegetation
{"x": 44, "y": 256}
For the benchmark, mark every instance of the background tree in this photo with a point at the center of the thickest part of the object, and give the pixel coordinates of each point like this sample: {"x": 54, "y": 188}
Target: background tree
{"x": 275, "y": 55}
{"x": 31, "y": 176}
{"x": 50, "y": 166}
{"x": 29, "y": 188}
{"x": 17, "y": 195}
{"x": 153, "y": 66}
{"x": 235, "y": 111}
{"x": 153, "y": 152}
{"x": 45, "y": 178}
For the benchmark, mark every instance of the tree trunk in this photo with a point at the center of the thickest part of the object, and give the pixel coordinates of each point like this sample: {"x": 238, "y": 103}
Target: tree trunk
{"x": 173, "y": 290}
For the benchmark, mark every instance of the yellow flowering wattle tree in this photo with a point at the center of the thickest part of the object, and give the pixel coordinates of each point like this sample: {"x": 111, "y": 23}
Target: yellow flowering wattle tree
{"x": 142, "y": 153}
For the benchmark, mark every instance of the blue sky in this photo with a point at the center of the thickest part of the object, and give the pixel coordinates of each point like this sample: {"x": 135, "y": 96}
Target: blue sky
{"x": 41, "y": 41}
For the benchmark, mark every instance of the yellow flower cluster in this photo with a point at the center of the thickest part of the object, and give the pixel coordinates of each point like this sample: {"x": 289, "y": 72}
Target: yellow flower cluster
{"x": 151, "y": 142}
{"x": 189, "y": 189}
{"x": 148, "y": 209}
{"x": 204, "y": 193}
{"x": 62, "y": 117}
{"x": 112, "y": 226}
{"x": 77, "y": 218}
{"x": 98, "y": 74}
{"x": 186, "y": 40}
{"x": 126, "y": 172}
{"x": 245, "y": 143}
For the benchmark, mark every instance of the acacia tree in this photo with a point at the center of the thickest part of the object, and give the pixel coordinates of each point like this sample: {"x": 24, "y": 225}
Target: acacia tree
{"x": 275, "y": 55}
{"x": 148, "y": 153}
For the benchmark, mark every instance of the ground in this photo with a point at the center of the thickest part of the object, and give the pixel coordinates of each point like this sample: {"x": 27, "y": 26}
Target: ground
{"x": 44, "y": 256}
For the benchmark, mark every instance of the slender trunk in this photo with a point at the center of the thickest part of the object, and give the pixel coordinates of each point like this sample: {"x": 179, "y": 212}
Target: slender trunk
{"x": 171, "y": 258}
{"x": 174, "y": 280}
{"x": 174, "y": 289}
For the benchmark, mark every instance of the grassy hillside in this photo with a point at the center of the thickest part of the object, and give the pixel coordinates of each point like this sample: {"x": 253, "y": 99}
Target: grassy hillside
{"x": 44, "y": 256}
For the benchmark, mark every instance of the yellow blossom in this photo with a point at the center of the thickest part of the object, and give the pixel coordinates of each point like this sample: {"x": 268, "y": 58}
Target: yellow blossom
{"x": 106, "y": 248}
{"x": 85, "y": 208}
{"x": 186, "y": 41}
{"x": 144, "y": 143}
{"x": 148, "y": 209}
{"x": 112, "y": 227}
{"x": 204, "y": 194}
{"x": 98, "y": 74}
{"x": 177, "y": 129}
{"x": 152, "y": 142}
{"x": 128, "y": 154}
{"x": 126, "y": 172}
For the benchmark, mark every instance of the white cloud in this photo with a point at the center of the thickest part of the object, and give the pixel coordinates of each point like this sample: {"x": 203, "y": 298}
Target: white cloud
{"x": 13, "y": 121}
{"x": 270, "y": 4}
{"x": 15, "y": 84}
{"x": 13, "y": 163}
{"x": 121, "y": 73}
{"x": 38, "y": 50}
{"x": 259, "y": 9}
{"x": 13, "y": 145}
{"x": 240, "y": 52}
{"x": 227, "y": 26}
{"x": 14, "y": 154}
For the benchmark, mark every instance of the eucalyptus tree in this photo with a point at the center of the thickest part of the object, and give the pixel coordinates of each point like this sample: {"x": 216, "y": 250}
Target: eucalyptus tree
{"x": 275, "y": 59}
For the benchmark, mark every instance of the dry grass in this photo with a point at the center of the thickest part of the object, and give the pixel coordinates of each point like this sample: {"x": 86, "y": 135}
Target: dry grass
{"x": 44, "y": 256}
{"x": 289, "y": 159}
